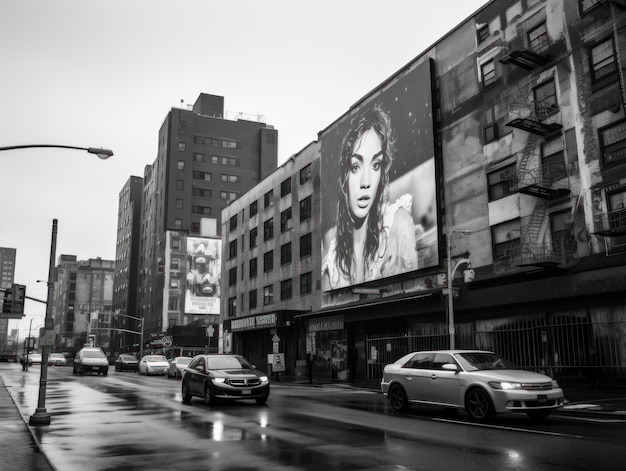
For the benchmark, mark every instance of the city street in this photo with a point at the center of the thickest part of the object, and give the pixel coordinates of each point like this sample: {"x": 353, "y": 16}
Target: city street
{"x": 127, "y": 421}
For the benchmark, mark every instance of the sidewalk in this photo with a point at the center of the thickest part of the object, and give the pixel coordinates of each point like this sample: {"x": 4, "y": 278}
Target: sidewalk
{"x": 20, "y": 451}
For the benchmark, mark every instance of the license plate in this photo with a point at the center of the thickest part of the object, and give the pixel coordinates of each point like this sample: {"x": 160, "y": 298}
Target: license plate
{"x": 542, "y": 399}
{"x": 246, "y": 391}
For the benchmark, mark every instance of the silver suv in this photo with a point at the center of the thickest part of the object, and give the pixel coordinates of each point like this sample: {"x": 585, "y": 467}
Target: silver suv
{"x": 90, "y": 359}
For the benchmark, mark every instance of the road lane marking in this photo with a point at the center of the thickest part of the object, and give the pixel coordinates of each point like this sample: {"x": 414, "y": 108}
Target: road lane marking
{"x": 512, "y": 429}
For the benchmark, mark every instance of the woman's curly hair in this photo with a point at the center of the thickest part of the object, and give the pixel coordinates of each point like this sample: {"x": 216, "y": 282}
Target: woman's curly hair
{"x": 377, "y": 119}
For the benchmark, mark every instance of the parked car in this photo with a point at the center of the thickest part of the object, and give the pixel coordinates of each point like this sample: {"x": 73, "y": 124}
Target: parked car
{"x": 89, "y": 359}
{"x": 229, "y": 377}
{"x": 34, "y": 359}
{"x": 482, "y": 383}
{"x": 153, "y": 365}
{"x": 57, "y": 359}
{"x": 126, "y": 362}
{"x": 177, "y": 366}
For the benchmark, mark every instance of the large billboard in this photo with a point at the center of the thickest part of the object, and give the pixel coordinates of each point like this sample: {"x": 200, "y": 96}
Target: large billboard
{"x": 202, "y": 288}
{"x": 379, "y": 209}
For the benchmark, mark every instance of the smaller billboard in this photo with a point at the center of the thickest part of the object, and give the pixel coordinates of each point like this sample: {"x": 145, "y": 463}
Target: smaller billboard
{"x": 203, "y": 265}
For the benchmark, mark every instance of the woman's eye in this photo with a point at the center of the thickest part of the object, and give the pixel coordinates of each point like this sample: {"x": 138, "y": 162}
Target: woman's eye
{"x": 355, "y": 167}
{"x": 376, "y": 165}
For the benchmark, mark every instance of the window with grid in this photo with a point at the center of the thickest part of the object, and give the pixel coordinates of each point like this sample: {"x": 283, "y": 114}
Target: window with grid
{"x": 502, "y": 182}
{"x": 483, "y": 33}
{"x": 268, "y": 229}
{"x": 181, "y": 146}
{"x": 268, "y": 295}
{"x": 546, "y": 103}
{"x": 253, "y": 233}
{"x": 506, "y": 240}
{"x": 178, "y": 223}
{"x": 285, "y": 290}
{"x": 232, "y": 307}
{"x": 232, "y": 276}
{"x": 560, "y": 223}
{"x": 228, "y": 178}
{"x": 305, "y": 209}
{"x": 268, "y": 261}
{"x": 253, "y": 208}
{"x": 306, "y": 245}
{"x": 553, "y": 161}
{"x": 538, "y": 39}
{"x": 488, "y": 73}
{"x": 285, "y": 220}
{"x": 613, "y": 144}
{"x": 603, "y": 63}
{"x": 198, "y": 157}
{"x": 491, "y": 126}
{"x": 180, "y": 165}
{"x": 616, "y": 202}
{"x": 253, "y": 268}
{"x": 306, "y": 283}
{"x": 305, "y": 174}
{"x": 201, "y": 192}
{"x": 285, "y": 253}
{"x": 202, "y": 175}
{"x": 232, "y": 249}
{"x": 285, "y": 187}
{"x": 179, "y": 203}
{"x": 268, "y": 199}
{"x": 252, "y": 299}
{"x": 233, "y": 223}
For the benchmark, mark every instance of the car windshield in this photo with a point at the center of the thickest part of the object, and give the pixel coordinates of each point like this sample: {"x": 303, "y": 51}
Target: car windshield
{"x": 128, "y": 358}
{"x": 56, "y": 355}
{"x": 475, "y": 361}
{"x": 225, "y": 363}
{"x": 89, "y": 354}
{"x": 156, "y": 358}
{"x": 183, "y": 361}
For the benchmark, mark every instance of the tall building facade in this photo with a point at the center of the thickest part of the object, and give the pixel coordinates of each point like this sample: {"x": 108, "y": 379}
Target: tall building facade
{"x": 490, "y": 175}
{"x": 271, "y": 260}
{"x": 204, "y": 162}
{"x": 83, "y": 298}
{"x": 125, "y": 312}
{"x": 7, "y": 277}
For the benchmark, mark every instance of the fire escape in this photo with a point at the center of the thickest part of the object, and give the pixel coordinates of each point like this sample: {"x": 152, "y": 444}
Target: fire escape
{"x": 539, "y": 118}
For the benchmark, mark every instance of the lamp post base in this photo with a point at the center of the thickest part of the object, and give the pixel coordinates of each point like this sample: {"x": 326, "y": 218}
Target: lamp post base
{"x": 40, "y": 417}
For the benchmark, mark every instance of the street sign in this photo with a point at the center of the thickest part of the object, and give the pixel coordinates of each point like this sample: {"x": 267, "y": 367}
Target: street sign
{"x": 275, "y": 338}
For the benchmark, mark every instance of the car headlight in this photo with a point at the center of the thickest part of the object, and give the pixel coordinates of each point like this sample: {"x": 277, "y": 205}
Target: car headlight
{"x": 555, "y": 385}
{"x": 263, "y": 379}
{"x": 506, "y": 385}
{"x": 219, "y": 380}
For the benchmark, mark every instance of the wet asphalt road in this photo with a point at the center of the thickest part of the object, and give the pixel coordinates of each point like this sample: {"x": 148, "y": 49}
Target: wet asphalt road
{"x": 126, "y": 421}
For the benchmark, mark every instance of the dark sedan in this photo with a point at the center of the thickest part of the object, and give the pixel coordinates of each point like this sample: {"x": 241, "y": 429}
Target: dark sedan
{"x": 228, "y": 377}
{"x": 126, "y": 362}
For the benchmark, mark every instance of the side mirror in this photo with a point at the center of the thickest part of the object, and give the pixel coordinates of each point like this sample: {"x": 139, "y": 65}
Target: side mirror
{"x": 450, "y": 367}
{"x": 200, "y": 368}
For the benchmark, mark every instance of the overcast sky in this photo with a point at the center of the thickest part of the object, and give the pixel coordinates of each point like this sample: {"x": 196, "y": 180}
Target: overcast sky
{"x": 105, "y": 74}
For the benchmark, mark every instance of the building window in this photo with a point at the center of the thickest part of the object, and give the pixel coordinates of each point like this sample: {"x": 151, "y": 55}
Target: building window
{"x": 201, "y": 192}
{"x": 483, "y": 33}
{"x": 174, "y": 283}
{"x": 232, "y": 276}
{"x": 178, "y": 223}
{"x": 603, "y": 63}
{"x": 306, "y": 283}
{"x": 176, "y": 244}
{"x": 559, "y": 229}
{"x": 306, "y": 246}
{"x": 232, "y": 307}
{"x": 253, "y": 233}
{"x": 227, "y": 144}
{"x": 252, "y": 299}
{"x": 305, "y": 209}
{"x": 233, "y": 223}
{"x": 285, "y": 253}
{"x": 180, "y": 184}
{"x": 229, "y": 195}
{"x": 195, "y": 227}
{"x": 268, "y": 229}
{"x": 553, "y": 161}
{"x": 538, "y": 39}
{"x": 172, "y": 304}
{"x": 253, "y": 268}
{"x": 545, "y": 100}
{"x": 268, "y": 295}
{"x": 488, "y": 73}
{"x": 613, "y": 144}
{"x": 230, "y": 161}
{"x": 285, "y": 290}
{"x": 253, "y": 208}
{"x": 180, "y": 165}
{"x": 491, "y": 126}
{"x": 202, "y": 175}
{"x": 502, "y": 182}
{"x": 181, "y": 147}
{"x": 268, "y": 261}
{"x": 285, "y": 187}
{"x": 198, "y": 157}
{"x": 232, "y": 249}
{"x": 179, "y": 203}
{"x": 616, "y": 205}
{"x": 306, "y": 174}
{"x": 201, "y": 210}
{"x": 506, "y": 240}
{"x": 230, "y": 178}
{"x": 182, "y": 128}
{"x": 285, "y": 220}
{"x": 268, "y": 199}
{"x": 175, "y": 264}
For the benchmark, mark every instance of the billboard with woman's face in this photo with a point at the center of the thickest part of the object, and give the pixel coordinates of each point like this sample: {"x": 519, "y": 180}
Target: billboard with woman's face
{"x": 202, "y": 288}
{"x": 379, "y": 209}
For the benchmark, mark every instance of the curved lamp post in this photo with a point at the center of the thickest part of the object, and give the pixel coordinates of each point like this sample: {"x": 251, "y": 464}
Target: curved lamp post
{"x": 41, "y": 416}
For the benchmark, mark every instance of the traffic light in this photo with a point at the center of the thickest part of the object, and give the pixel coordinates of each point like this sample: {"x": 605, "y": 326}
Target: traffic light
{"x": 19, "y": 293}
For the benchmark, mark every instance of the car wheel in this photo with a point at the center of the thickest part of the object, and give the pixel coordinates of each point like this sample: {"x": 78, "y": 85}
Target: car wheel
{"x": 209, "y": 398}
{"x": 398, "y": 399}
{"x": 539, "y": 414}
{"x": 261, "y": 400}
{"x": 478, "y": 404}
{"x": 185, "y": 392}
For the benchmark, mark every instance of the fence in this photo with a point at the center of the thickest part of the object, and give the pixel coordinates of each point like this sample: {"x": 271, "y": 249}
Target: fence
{"x": 575, "y": 349}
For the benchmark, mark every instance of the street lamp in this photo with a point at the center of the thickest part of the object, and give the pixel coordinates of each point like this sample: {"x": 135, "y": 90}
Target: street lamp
{"x": 451, "y": 272}
{"x": 102, "y": 154}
